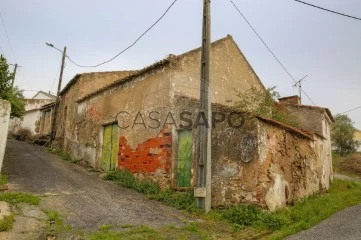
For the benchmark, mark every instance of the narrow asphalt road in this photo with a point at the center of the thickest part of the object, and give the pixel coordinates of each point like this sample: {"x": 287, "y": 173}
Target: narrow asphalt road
{"x": 82, "y": 198}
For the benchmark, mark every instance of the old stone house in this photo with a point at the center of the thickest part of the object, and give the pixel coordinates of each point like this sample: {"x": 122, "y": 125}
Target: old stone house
{"x": 146, "y": 122}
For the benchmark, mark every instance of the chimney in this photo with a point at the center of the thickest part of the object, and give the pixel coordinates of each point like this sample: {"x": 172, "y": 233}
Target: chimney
{"x": 292, "y": 100}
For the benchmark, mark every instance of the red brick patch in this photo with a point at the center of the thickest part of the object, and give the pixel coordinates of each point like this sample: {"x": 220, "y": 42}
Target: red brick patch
{"x": 148, "y": 157}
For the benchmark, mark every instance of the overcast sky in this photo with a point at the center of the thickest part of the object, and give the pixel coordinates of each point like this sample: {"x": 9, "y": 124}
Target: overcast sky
{"x": 308, "y": 41}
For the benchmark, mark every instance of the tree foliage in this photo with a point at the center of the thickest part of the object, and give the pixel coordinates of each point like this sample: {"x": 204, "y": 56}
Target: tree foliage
{"x": 263, "y": 103}
{"x": 13, "y": 95}
{"x": 343, "y": 132}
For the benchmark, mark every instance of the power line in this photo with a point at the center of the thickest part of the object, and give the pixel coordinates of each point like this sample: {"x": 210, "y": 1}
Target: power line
{"x": 130, "y": 46}
{"x": 328, "y": 10}
{"x": 7, "y": 37}
{"x": 351, "y": 110}
{"x": 56, "y": 75}
{"x": 269, "y": 49}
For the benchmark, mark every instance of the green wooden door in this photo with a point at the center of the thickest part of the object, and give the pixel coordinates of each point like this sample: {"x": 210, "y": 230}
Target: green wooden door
{"x": 110, "y": 147}
{"x": 184, "y": 168}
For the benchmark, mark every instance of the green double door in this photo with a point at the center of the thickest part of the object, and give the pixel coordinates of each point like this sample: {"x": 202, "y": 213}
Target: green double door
{"x": 184, "y": 167}
{"x": 110, "y": 147}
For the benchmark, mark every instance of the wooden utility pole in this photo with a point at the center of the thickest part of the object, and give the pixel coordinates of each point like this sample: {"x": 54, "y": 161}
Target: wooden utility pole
{"x": 203, "y": 189}
{"x": 15, "y": 68}
{"x": 56, "y": 106}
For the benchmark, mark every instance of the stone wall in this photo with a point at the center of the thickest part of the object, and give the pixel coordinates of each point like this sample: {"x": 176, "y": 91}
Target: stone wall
{"x": 5, "y": 109}
{"x": 284, "y": 166}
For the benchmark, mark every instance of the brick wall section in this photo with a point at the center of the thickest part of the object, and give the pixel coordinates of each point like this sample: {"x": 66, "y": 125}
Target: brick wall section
{"x": 149, "y": 157}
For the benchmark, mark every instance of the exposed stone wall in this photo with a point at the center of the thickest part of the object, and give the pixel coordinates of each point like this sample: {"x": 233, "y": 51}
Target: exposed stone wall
{"x": 284, "y": 167}
{"x": 5, "y": 109}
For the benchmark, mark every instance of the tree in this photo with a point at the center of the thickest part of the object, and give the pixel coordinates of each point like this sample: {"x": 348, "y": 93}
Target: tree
{"x": 7, "y": 92}
{"x": 342, "y": 135}
{"x": 263, "y": 103}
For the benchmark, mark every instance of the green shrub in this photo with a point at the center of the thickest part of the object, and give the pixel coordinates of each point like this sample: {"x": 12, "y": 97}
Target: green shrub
{"x": 179, "y": 200}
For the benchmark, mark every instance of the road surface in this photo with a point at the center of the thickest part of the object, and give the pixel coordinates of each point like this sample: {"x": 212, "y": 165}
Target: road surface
{"x": 81, "y": 197}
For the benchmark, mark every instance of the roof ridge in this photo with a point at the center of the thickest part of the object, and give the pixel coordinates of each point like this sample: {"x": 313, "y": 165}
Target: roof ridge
{"x": 150, "y": 67}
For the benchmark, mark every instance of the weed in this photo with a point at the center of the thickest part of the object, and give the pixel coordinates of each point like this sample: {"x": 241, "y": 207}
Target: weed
{"x": 126, "y": 226}
{"x": 192, "y": 227}
{"x": 56, "y": 223}
{"x": 7, "y": 223}
{"x": 3, "y": 179}
{"x": 15, "y": 198}
{"x": 142, "y": 232}
{"x": 106, "y": 227}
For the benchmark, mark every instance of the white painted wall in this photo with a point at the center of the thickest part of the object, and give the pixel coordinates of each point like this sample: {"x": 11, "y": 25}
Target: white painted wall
{"x": 30, "y": 119}
{"x": 32, "y": 114}
{"x": 5, "y": 109}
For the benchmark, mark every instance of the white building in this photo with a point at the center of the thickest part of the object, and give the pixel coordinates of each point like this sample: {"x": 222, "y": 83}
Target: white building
{"x": 32, "y": 112}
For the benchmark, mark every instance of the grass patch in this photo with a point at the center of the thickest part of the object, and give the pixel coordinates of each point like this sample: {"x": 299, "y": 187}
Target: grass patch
{"x": 142, "y": 232}
{"x": 179, "y": 200}
{"x": 56, "y": 224}
{"x": 15, "y": 198}
{"x": 311, "y": 211}
{"x": 7, "y": 223}
{"x": 3, "y": 179}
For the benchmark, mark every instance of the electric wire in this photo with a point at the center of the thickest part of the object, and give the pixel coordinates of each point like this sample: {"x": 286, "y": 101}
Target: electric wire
{"x": 7, "y": 37}
{"x": 269, "y": 49}
{"x": 328, "y": 10}
{"x": 351, "y": 110}
{"x": 130, "y": 46}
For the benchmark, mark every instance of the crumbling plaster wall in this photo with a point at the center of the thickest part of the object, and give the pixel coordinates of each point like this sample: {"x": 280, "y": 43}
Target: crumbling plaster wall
{"x": 145, "y": 93}
{"x": 80, "y": 86}
{"x": 284, "y": 167}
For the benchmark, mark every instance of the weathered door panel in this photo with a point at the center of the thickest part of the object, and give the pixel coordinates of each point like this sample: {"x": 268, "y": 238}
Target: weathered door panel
{"x": 115, "y": 147}
{"x": 110, "y": 147}
{"x": 184, "y": 167}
